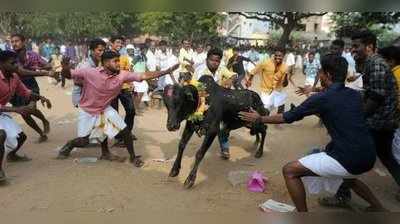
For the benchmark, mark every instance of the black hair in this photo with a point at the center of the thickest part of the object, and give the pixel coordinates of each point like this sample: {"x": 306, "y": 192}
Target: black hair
{"x": 6, "y": 55}
{"x": 20, "y": 36}
{"x": 391, "y": 53}
{"x": 280, "y": 49}
{"x": 114, "y": 38}
{"x": 107, "y": 55}
{"x": 366, "y": 37}
{"x": 95, "y": 43}
{"x": 215, "y": 51}
{"x": 336, "y": 66}
{"x": 163, "y": 43}
{"x": 339, "y": 43}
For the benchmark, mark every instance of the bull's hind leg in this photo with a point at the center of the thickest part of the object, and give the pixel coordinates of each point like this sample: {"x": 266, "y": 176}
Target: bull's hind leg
{"x": 199, "y": 156}
{"x": 257, "y": 139}
{"x": 260, "y": 150}
{"x": 187, "y": 134}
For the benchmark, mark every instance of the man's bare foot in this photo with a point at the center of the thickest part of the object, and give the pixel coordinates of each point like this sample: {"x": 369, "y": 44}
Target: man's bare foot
{"x": 46, "y": 127}
{"x": 112, "y": 157}
{"x": 137, "y": 161}
{"x": 42, "y": 139}
{"x": 17, "y": 158}
{"x": 62, "y": 156}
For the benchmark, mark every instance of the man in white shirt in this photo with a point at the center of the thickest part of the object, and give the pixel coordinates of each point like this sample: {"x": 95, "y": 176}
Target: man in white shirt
{"x": 163, "y": 61}
{"x": 199, "y": 58}
{"x": 186, "y": 56}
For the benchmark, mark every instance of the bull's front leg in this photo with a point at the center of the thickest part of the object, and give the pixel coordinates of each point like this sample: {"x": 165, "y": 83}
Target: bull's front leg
{"x": 209, "y": 138}
{"x": 187, "y": 134}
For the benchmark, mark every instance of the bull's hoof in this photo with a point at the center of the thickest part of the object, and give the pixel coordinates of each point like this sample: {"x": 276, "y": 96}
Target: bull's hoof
{"x": 259, "y": 154}
{"x": 174, "y": 172}
{"x": 189, "y": 182}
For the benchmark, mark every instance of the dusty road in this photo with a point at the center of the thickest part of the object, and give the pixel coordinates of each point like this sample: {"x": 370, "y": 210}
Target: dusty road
{"x": 51, "y": 186}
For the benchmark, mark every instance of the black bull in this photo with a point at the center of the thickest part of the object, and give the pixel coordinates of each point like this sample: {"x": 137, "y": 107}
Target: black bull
{"x": 224, "y": 106}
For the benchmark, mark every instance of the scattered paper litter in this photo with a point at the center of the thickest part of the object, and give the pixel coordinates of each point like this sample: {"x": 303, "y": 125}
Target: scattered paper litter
{"x": 274, "y": 206}
{"x": 238, "y": 177}
{"x": 380, "y": 172}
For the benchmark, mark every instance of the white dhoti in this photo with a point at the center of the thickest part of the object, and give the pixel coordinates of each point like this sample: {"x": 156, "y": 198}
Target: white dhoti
{"x": 142, "y": 87}
{"x": 331, "y": 173}
{"x": 99, "y": 127}
{"x": 12, "y": 130}
{"x": 396, "y": 145}
{"x": 274, "y": 99}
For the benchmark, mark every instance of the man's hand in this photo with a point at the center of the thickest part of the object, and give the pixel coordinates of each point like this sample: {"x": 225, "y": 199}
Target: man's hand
{"x": 304, "y": 90}
{"x": 25, "y": 110}
{"x": 172, "y": 69}
{"x": 251, "y": 116}
{"x": 45, "y": 102}
{"x": 248, "y": 83}
{"x": 352, "y": 78}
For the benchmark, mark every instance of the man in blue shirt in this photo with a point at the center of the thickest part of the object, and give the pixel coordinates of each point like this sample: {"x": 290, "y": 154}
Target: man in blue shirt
{"x": 351, "y": 151}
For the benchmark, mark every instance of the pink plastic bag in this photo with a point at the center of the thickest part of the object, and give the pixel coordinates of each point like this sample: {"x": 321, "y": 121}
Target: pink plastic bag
{"x": 257, "y": 182}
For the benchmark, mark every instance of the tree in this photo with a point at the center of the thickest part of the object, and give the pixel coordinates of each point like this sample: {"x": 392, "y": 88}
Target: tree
{"x": 197, "y": 26}
{"x": 346, "y": 22}
{"x": 288, "y": 21}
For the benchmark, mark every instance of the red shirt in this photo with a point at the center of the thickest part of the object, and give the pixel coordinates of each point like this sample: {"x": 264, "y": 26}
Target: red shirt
{"x": 8, "y": 88}
{"x": 99, "y": 88}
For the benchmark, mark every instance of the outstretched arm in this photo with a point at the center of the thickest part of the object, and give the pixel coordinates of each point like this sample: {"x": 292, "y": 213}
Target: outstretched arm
{"x": 156, "y": 74}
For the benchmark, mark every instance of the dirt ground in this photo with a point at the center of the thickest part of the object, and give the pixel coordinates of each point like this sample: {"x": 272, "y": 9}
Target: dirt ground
{"x": 51, "y": 186}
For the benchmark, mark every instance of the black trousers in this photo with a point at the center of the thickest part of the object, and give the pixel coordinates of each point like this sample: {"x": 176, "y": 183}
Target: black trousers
{"x": 127, "y": 102}
{"x": 383, "y": 143}
{"x": 237, "y": 83}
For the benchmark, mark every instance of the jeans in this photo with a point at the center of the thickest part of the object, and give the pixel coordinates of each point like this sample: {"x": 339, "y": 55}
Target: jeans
{"x": 383, "y": 143}
{"x": 127, "y": 102}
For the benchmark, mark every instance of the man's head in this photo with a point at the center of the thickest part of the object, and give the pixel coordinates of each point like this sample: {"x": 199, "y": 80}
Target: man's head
{"x": 152, "y": 46}
{"x": 110, "y": 61}
{"x": 337, "y": 47}
{"x": 333, "y": 69}
{"x": 117, "y": 42}
{"x": 130, "y": 49}
{"x": 391, "y": 54}
{"x": 8, "y": 62}
{"x": 97, "y": 47}
{"x": 278, "y": 55}
{"x": 57, "y": 50}
{"x": 199, "y": 48}
{"x": 214, "y": 57}
{"x": 363, "y": 45}
{"x": 311, "y": 56}
{"x": 235, "y": 50}
{"x": 17, "y": 42}
{"x": 163, "y": 45}
{"x": 186, "y": 44}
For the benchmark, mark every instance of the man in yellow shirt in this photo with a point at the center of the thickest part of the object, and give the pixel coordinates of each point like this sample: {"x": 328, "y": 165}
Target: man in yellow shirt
{"x": 125, "y": 96}
{"x": 273, "y": 77}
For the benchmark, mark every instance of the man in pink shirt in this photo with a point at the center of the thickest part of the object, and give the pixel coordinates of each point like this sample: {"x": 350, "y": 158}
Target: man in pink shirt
{"x": 11, "y": 135}
{"x": 97, "y": 119}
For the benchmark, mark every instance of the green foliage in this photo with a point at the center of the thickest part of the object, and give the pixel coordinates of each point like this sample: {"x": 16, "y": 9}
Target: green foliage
{"x": 346, "y": 22}
{"x": 197, "y": 26}
{"x": 76, "y": 25}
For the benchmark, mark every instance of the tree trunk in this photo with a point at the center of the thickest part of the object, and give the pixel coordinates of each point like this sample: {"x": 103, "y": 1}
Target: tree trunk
{"x": 287, "y": 30}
